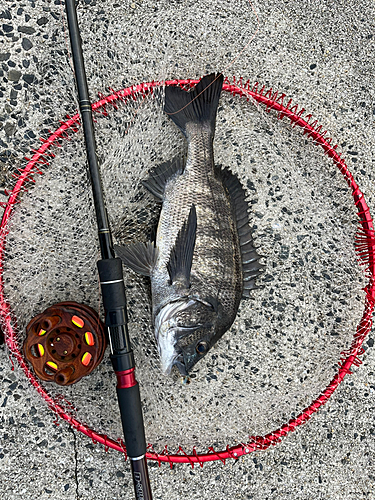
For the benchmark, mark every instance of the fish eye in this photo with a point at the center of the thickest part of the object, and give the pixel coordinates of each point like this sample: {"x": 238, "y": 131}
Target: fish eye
{"x": 202, "y": 347}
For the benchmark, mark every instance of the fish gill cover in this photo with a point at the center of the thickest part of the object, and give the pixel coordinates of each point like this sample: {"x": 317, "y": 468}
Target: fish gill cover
{"x": 285, "y": 343}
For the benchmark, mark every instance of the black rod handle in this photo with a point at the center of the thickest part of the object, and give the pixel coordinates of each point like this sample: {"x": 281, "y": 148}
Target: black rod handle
{"x": 129, "y": 400}
{"x": 114, "y": 300}
{"x": 128, "y": 395}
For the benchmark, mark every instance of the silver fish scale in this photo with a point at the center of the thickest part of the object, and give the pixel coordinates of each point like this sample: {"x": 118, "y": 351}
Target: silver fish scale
{"x": 216, "y": 268}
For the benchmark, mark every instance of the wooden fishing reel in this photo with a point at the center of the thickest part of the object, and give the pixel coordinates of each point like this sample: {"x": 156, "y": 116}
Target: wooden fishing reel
{"x": 65, "y": 342}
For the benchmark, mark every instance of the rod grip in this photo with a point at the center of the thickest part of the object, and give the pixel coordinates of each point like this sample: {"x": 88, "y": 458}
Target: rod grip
{"x": 112, "y": 284}
{"x": 129, "y": 400}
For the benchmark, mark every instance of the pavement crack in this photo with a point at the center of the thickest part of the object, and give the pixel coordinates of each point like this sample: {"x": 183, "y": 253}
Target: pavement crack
{"x": 76, "y": 461}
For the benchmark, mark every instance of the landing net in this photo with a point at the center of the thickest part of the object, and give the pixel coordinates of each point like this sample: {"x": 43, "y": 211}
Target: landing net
{"x": 290, "y": 346}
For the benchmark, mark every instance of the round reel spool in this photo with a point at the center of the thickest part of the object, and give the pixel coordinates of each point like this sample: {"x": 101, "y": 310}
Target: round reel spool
{"x": 65, "y": 343}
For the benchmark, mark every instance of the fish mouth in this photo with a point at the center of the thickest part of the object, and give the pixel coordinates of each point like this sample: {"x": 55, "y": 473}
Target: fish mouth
{"x": 173, "y": 352}
{"x": 185, "y": 358}
{"x": 188, "y": 357}
{"x": 180, "y": 365}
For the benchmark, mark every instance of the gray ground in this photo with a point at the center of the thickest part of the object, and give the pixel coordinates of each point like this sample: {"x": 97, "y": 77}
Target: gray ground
{"x": 321, "y": 54}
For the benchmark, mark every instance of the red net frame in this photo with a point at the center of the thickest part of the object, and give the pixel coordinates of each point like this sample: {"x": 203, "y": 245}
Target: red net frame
{"x": 364, "y": 243}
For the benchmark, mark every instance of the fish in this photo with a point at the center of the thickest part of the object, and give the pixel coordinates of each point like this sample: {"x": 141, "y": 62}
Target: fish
{"x": 203, "y": 259}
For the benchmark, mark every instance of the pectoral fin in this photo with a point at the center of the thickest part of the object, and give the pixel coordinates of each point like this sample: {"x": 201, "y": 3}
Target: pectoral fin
{"x": 140, "y": 257}
{"x": 181, "y": 258}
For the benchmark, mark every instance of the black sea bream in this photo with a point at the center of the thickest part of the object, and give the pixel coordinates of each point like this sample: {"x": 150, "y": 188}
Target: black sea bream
{"x": 203, "y": 260}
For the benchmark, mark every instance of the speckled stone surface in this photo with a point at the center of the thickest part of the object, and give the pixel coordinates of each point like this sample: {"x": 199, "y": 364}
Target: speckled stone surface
{"x": 321, "y": 54}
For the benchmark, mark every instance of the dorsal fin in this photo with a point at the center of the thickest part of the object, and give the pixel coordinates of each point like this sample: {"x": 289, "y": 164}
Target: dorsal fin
{"x": 181, "y": 258}
{"x": 160, "y": 175}
{"x": 250, "y": 258}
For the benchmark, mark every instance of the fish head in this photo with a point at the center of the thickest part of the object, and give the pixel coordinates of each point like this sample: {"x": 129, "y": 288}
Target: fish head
{"x": 184, "y": 331}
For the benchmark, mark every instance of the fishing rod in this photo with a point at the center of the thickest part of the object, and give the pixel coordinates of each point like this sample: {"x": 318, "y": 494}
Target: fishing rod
{"x": 112, "y": 286}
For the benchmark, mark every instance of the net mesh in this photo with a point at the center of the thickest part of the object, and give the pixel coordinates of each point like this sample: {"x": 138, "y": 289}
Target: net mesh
{"x": 285, "y": 344}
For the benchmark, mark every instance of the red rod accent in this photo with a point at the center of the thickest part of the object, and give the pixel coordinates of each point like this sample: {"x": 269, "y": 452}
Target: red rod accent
{"x": 126, "y": 379}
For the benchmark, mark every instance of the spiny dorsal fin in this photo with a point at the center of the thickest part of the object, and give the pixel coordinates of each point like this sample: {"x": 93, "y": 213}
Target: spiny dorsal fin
{"x": 160, "y": 175}
{"x": 140, "y": 257}
{"x": 250, "y": 258}
{"x": 181, "y": 258}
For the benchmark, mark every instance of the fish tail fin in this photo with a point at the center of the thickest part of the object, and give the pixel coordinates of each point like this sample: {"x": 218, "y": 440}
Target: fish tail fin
{"x": 197, "y": 106}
